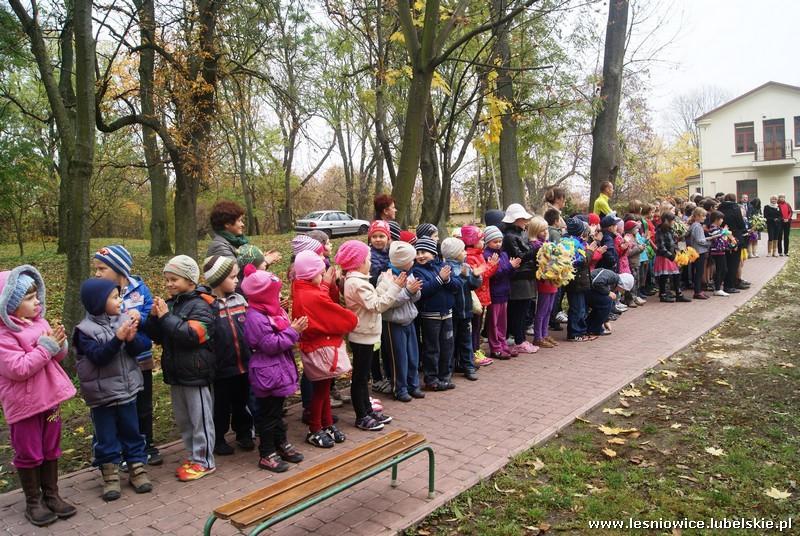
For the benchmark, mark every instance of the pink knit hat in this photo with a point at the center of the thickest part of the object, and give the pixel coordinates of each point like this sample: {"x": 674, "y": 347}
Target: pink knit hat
{"x": 351, "y": 254}
{"x": 307, "y": 265}
{"x": 470, "y": 235}
{"x": 305, "y": 243}
{"x": 263, "y": 291}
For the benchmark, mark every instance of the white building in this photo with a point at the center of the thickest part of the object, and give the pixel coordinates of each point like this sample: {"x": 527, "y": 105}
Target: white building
{"x": 751, "y": 145}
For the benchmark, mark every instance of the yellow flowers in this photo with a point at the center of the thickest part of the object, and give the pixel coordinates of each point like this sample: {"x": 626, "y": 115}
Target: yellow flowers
{"x": 555, "y": 263}
{"x": 684, "y": 258}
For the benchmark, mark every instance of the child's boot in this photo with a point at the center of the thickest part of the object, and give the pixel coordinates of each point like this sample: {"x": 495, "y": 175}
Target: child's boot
{"x": 138, "y": 478}
{"x": 49, "y": 476}
{"x": 35, "y": 511}
{"x": 111, "y": 489}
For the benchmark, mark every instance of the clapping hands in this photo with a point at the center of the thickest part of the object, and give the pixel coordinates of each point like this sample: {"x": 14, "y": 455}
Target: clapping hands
{"x": 160, "y": 307}
{"x": 515, "y": 262}
{"x": 127, "y": 331}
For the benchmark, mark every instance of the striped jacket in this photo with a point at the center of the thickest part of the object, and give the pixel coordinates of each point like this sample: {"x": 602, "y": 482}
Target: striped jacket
{"x": 230, "y": 346}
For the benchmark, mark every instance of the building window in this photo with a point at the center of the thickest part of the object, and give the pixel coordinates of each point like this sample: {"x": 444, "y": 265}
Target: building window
{"x": 744, "y": 137}
{"x": 749, "y": 187}
{"x": 796, "y": 193}
{"x": 797, "y": 131}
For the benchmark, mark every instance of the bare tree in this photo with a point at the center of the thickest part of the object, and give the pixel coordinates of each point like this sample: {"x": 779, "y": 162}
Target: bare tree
{"x": 687, "y": 107}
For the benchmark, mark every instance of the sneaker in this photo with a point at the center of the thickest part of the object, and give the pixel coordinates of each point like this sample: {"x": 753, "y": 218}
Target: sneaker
{"x": 639, "y": 300}
{"x": 431, "y": 387}
{"x": 288, "y": 453}
{"x": 154, "y": 456}
{"x": 551, "y": 340}
{"x": 561, "y": 316}
{"x": 194, "y": 471}
{"x": 701, "y": 296}
{"x": 383, "y": 387}
{"x": 184, "y": 464}
{"x": 732, "y": 290}
{"x": 542, "y": 343}
{"x": 682, "y": 299}
{"x": 336, "y": 403}
{"x": 502, "y": 356}
{"x": 613, "y": 317}
{"x": 622, "y": 307}
{"x": 336, "y": 434}
{"x": 246, "y": 443}
{"x": 447, "y": 386}
{"x": 223, "y": 449}
{"x": 380, "y": 417}
{"x": 528, "y": 348}
{"x": 320, "y": 439}
{"x": 529, "y": 331}
{"x": 376, "y": 404}
{"x": 666, "y": 298}
{"x": 577, "y": 338}
{"x": 482, "y": 361}
{"x": 369, "y": 424}
{"x": 721, "y": 293}
{"x": 403, "y": 397}
{"x": 631, "y": 305}
{"x": 471, "y": 375}
{"x": 273, "y": 463}
{"x": 511, "y": 351}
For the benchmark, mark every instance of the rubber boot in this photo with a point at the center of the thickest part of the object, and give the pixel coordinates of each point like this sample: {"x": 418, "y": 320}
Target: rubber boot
{"x": 35, "y": 511}
{"x": 49, "y": 476}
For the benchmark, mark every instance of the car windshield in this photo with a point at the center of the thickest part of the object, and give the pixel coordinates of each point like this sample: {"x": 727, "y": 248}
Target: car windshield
{"x": 313, "y": 216}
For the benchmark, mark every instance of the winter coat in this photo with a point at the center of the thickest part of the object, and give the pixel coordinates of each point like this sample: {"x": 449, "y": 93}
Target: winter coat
{"x": 582, "y": 281}
{"x": 733, "y": 218}
{"x": 610, "y": 259}
{"x": 328, "y": 322}
{"x": 229, "y": 346}
{"x": 772, "y": 214}
{"x": 517, "y": 244}
{"x": 604, "y": 281}
{"x": 272, "y": 368}
{"x": 220, "y": 246}
{"x": 719, "y": 246}
{"x": 107, "y": 367}
{"x": 438, "y": 296}
{"x": 634, "y": 252}
{"x": 138, "y": 296}
{"x": 368, "y": 303}
{"x": 31, "y": 378}
{"x": 403, "y": 311}
{"x": 464, "y": 285}
{"x": 379, "y": 263}
{"x": 697, "y": 238}
{"x": 186, "y": 335}
{"x": 500, "y": 281}
{"x": 622, "y": 254}
{"x": 475, "y": 259}
{"x": 666, "y": 245}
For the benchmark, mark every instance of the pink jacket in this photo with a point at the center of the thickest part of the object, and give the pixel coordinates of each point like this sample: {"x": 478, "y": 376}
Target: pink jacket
{"x": 31, "y": 379}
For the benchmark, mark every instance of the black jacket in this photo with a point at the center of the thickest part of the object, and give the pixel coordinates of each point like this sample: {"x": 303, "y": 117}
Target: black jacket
{"x": 666, "y": 245}
{"x": 772, "y": 214}
{"x": 517, "y": 244}
{"x": 733, "y": 218}
{"x": 230, "y": 347}
{"x": 610, "y": 259}
{"x": 185, "y": 333}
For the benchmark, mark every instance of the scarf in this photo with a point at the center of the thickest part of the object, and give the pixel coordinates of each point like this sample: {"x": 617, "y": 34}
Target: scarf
{"x": 774, "y": 205}
{"x": 236, "y": 241}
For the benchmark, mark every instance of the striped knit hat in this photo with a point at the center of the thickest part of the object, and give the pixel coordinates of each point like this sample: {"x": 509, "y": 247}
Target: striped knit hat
{"x": 216, "y": 268}
{"x": 305, "y": 243}
{"x": 394, "y": 230}
{"x": 117, "y": 258}
{"x": 426, "y": 244}
{"x": 249, "y": 254}
{"x": 491, "y": 233}
{"x": 426, "y": 230}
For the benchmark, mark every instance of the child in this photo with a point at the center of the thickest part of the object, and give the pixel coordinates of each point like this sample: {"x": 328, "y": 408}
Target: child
{"x": 436, "y": 316}
{"x": 399, "y": 337}
{"x": 499, "y": 290}
{"x": 552, "y": 216}
{"x": 555, "y": 231}
{"x": 115, "y": 263}
{"x": 610, "y": 258}
{"x": 465, "y": 281}
{"x": 578, "y": 288}
{"x": 697, "y": 240}
{"x": 272, "y": 370}
{"x": 32, "y": 385}
{"x": 231, "y": 386}
{"x": 717, "y": 250}
{"x": 665, "y": 267}
{"x": 523, "y": 290}
{"x": 368, "y": 303}
{"x": 427, "y": 230}
{"x": 604, "y": 285}
{"x": 184, "y": 327}
{"x": 546, "y": 291}
{"x": 473, "y": 240}
{"x": 250, "y": 254}
{"x": 634, "y": 253}
{"x": 322, "y": 347}
{"x": 302, "y": 243}
{"x": 378, "y": 237}
{"x": 106, "y": 347}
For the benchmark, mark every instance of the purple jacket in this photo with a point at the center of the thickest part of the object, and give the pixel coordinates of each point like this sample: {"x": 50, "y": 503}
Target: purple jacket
{"x": 273, "y": 371}
{"x": 500, "y": 282}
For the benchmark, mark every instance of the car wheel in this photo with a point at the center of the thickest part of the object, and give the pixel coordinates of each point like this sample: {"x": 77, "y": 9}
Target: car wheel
{"x": 363, "y": 229}
{"x": 328, "y": 232}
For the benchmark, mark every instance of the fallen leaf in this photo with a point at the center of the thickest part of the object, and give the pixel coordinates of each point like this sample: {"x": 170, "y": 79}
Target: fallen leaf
{"x": 616, "y": 441}
{"x": 723, "y": 382}
{"x": 715, "y": 451}
{"x": 689, "y": 478}
{"x": 677, "y": 532}
{"x": 624, "y": 403}
{"x": 612, "y": 430}
{"x": 630, "y": 392}
{"x": 669, "y": 373}
{"x": 610, "y": 453}
{"x": 777, "y": 494}
{"x": 634, "y": 435}
{"x": 423, "y": 532}
{"x": 786, "y": 365}
{"x": 512, "y": 490}
{"x": 544, "y": 527}
{"x": 635, "y": 460}
{"x": 79, "y": 430}
{"x": 676, "y": 426}
{"x": 715, "y": 355}
{"x": 618, "y": 411}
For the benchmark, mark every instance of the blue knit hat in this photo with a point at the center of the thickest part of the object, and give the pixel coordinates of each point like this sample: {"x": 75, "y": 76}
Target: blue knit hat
{"x": 426, "y": 244}
{"x": 426, "y": 230}
{"x": 23, "y": 284}
{"x": 117, "y": 258}
{"x": 95, "y": 293}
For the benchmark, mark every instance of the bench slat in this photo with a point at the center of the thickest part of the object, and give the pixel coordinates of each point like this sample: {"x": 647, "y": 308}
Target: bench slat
{"x": 227, "y": 510}
{"x": 312, "y": 487}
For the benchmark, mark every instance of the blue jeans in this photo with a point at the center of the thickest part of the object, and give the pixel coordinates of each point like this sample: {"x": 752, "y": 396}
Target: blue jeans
{"x": 116, "y": 430}
{"x": 403, "y": 350}
{"x": 600, "y": 305}
{"x": 576, "y": 316}
{"x": 462, "y": 340}
{"x": 437, "y": 349}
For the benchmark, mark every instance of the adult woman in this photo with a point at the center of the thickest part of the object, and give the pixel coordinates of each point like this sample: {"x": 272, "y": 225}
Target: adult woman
{"x": 556, "y": 198}
{"x": 227, "y": 222}
{"x": 733, "y": 217}
{"x": 786, "y": 224}
{"x": 384, "y": 207}
{"x": 772, "y": 213}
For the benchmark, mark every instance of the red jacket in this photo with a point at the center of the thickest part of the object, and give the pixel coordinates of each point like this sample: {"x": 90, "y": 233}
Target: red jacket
{"x": 328, "y": 322}
{"x": 474, "y": 259}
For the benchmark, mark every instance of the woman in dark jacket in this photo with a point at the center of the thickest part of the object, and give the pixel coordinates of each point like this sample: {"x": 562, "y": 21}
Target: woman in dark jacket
{"x": 736, "y": 224}
{"x": 772, "y": 213}
{"x": 523, "y": 287}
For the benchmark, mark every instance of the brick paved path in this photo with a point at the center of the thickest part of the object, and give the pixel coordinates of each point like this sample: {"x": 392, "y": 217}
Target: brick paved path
{"x": 474, "y": 430}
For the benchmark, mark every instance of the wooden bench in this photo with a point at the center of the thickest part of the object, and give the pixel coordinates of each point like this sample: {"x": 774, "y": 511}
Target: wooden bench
{"x": 285, "y": 498}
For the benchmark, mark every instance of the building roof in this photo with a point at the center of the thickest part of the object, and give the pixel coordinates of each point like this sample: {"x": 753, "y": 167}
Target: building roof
{"x": 692, "y": 177}
{"x": 742, "y": 96}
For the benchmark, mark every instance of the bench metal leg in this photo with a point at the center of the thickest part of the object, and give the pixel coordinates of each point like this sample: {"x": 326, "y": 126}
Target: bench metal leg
{"x": 431, "y": 472}
{"x": 209, "y": 522}
{"x": 394, "y": 476}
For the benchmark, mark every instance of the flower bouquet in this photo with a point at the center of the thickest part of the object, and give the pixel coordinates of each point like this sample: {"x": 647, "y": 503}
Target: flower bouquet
{"x": 576, "y": 248}
{"x": 679, "y": 228}
{"x": 686, "y": 257}
{"x": 758, "y": 223}
{"x": 555, "y": 263}
{"x": 729, "y": 239}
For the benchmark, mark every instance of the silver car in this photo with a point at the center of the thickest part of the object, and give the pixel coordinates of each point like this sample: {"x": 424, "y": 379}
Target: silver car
{"x": 332, "y": 222}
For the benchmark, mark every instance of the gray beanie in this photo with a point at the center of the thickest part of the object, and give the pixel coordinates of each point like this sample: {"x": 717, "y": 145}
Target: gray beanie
{"x": 184, "y": 266}
{"x": 451, "y": 248}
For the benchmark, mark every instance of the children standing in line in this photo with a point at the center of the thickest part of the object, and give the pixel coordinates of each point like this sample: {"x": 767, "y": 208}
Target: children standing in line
{"x": 107, "y": 345}
{"x": 578, "y": 288}
{"x": 465, "y": 281}
{"x": 322, "y": 346}
{"x": 184, "y": 327}
{"x": 32, "y": 385}
{"x": 665, "y": 267}
{"x": 231, "y": 386}
{"x": 368, "y": 303}
{"x": 473, "y": 240}
{"x": 436, "y": 316}
{"x": 718, "y": 249}
{"x": 499, "y": 290}
{"x": 115, "y": 264}
{"x": 399, "y": 338}
{"x": 272, "y": 370}
{"x": 379, "y": 238}
{"x": 545, "y": 290}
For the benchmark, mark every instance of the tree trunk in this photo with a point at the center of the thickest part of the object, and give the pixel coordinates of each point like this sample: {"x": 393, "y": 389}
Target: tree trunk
{"x": 348, "y": 169}
{"x": 159, "y": 230}
{"x": 416, "y": 109}
{"x": 509, "y": 163}
{"x": 429, "y": 170}
{"x": 67, "y": 92}
{"x": 605, "y": 145}
{"x": 186, "y": 186}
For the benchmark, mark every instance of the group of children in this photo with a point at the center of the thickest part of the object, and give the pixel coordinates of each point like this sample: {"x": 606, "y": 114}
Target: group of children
{"x": 403, "y": 303}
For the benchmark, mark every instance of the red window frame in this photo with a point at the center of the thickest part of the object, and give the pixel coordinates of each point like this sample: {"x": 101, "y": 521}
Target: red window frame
{"x": 744, "y": 137}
